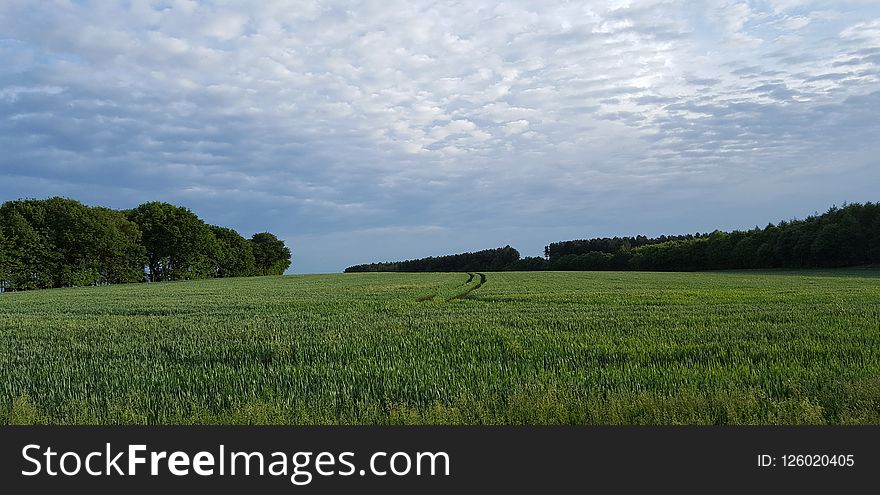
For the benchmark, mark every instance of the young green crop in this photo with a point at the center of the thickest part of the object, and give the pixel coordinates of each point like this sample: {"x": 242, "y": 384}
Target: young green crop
{"x": 536, "y": 347}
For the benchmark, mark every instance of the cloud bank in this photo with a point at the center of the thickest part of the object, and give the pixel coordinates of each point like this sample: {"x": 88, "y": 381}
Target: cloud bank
{"x": 361, "y": 131}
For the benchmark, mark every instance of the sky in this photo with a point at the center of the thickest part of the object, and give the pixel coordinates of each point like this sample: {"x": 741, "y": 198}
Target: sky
{"x": 383, "y": 130}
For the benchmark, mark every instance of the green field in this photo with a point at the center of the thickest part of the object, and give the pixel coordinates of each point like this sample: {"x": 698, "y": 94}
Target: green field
{"x": 538, "y": 347}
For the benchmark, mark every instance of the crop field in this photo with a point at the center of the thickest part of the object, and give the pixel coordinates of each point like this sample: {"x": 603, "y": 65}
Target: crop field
{"x": 456, "y": 348}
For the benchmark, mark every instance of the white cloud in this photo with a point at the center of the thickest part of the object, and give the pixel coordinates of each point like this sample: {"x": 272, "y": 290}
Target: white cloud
{"x": 332, "y": 115}
{"x": 225, "y": 27}
{"x": 795, "y": 23}
{"x": 864, "y": 32}
{"x": 516, "y": 127}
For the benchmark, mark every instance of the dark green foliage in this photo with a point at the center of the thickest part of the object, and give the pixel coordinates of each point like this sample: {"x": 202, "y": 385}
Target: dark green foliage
{"x": 529, "y": 264}
{"x": 271, "y": 256}
{"x": 595, "y": 260}
{"x": 118, "y": 249}
{"x": 609, "y": 245}
{"x": 24, "y": 249}
{"x": 60, "y": 242}
{"x": 234, "y": 255}
{"x": 847, "y": 236}
{"x": 180, "y": 246}
{"x": 4, "y": 259}
{"x": 486, "y": 260}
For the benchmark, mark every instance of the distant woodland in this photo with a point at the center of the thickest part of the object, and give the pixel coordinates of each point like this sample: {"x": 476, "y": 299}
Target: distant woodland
{"x": 60, "y": 242}
{"x": 841, "y": 237}
{"x": 487, "y": 260}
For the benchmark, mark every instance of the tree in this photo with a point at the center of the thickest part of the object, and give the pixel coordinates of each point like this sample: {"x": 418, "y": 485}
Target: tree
{"x": 529, "y": 264}
{"x": 234, "y": 256}
{"x": 503, "y": 258}
{"x": 121, "y": 256}
{"x": 4, "y": 260}
{"x": 271, "y": 256}
{"x": 828, "y": 248}
{"x": 178, "y": 244}
{"x": 72, "y": 235}
{"x": 59, "y": 242}
{"x": 28, "y": 258}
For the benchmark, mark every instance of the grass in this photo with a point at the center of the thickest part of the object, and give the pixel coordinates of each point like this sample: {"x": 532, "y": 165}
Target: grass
{"x": 494, "y": 348}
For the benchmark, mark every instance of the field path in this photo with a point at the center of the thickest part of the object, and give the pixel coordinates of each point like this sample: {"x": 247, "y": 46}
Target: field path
{"x": 473, "y": 287}
{"x": 460, "y": 291}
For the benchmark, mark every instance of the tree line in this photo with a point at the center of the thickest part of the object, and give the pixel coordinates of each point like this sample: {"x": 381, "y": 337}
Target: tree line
{"x": 61, "y": 242}
{"x": 842, "y": 236}
{"x": 486, "y": 260}
{"x": 611, "y": 245}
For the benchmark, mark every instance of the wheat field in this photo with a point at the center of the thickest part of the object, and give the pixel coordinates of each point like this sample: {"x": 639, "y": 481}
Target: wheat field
{"x": 449, "y": 348}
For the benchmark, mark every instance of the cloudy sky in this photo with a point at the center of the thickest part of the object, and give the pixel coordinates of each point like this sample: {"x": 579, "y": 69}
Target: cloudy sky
{"x": 377, "y": 130}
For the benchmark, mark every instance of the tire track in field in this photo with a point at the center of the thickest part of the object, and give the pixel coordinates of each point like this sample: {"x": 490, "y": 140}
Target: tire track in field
{"x": 438, "y": 296}
{"x": 475, "y": 287}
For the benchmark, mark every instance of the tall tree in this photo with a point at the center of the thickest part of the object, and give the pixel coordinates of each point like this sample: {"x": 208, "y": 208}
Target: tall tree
{"x": 178, "y": 244}
{"x": 120, "y": 255}
{"x": 234, "y": 256}
{"x": 60, "y": 242}
{"x": 4, "y": 260}
{"x": 72, "y": 235}
{"x": 29, "y": 259}
{"x": 271, "y": 256}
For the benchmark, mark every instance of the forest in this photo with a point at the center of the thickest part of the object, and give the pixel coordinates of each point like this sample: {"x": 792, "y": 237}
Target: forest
{"x": 488, "y": 260}
{"x": 59, "y": 242}
{"x": 840, "y": 237}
